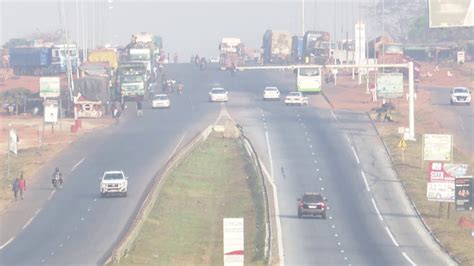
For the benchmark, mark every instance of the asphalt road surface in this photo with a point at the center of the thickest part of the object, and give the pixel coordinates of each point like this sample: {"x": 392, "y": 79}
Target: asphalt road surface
{"x": 305, "y": 149}
{"x": 461, "y": 121}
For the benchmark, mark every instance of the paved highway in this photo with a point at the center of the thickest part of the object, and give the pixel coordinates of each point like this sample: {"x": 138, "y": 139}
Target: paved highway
{"x": 458, "y": 119}
{"x": 370, "y": 221}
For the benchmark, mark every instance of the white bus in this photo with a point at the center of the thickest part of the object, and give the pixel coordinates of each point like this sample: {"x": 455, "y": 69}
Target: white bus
{"x": 308, "y": 79}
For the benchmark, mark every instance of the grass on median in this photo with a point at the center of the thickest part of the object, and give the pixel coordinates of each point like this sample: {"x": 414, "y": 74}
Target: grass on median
{"x": 454, "y": 238}
{"x": 215, "y": 181}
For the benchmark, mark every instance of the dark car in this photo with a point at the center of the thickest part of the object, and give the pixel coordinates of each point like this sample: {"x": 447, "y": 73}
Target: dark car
{"x": 312, "y": 204}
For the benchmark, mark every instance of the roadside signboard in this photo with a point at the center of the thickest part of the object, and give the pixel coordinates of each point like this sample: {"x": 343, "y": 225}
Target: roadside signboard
{"x": 440, "y": 191}
{"x": 447, "y": 172}
{"x": 463, "y": 193}
{"x": 51, "y": 111}
{"x": 390, "y": 85}
{"x": 446, "y": 13}
{"x": 437, "y": 147}
{"x": 233, "y": 241}
{"x": 49, "y": 87}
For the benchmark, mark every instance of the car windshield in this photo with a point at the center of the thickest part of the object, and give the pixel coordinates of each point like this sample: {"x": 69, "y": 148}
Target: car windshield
{"x": 218, "y": 91}
{"x": 294, "y": 94}
{"x": 161, "y": 97}
{"x": 133, "y": 78}
{"x": 271, "y": 89}
{"x": 460, "y": 90}
{"x": 312, "y": 198}
{"x": 309, "y": 72}
{"x": 113, "y": 176}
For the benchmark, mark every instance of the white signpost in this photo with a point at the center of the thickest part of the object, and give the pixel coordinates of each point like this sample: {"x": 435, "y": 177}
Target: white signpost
{"x": 390, "y": 85}
{"x": 51, "y": 111}
{"x": 233, "y": 241}
{"x": 49, "y": 87}
{"x": 437, "y": 147}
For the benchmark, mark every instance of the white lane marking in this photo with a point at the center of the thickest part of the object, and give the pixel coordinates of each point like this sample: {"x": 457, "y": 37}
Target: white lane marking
{"x": 277, "y": 214}
{"x": 345, "y": 258}
{"x": 391, "y": 236}
{"x": 336, "y": 235}
{"x": 77, "y": 164}
{"x": 347, "y": 138}
{"x": 322, "y": 189}
{"x": 67, "y": 237}
{"x": 333, "y": 115}
{"x": 61, "y": 245}
{"x": 6, "y": 243}
{"x": 330, "y": 217}
{"x": 89, "y": 209}
{"x": 317, "y": 169}
{"x": 269, "y": 148}
{"x": 342, "y": 250}
{"x": 29, "y": 221}
{"x": 338, "y": 243}
{"x": 310, "y": 146}
{"x": 177, "y": 145}
{"x": 312, "y": 153}
{"x": 320, "y": 179}
{"x": 333, "y": 226}
{"x": 43, "y": 261}
{"x": 306, "y": 133}
{"x": 82, "y": 218}
{"x": 308, "y": 139}
{"x": 315, "y": 161}
{"x": 377, "y": 209}
{"x": 52, "y": 193}
{"x": 408, "y": 259}
{"x": 355, "y": 154}
{"x": 95, "y": 199}
{"x": 52, "y": 253}
{"x": 365, "y": 180}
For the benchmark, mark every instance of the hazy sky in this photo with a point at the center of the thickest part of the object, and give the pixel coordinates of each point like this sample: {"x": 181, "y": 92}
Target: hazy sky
{"x": 187, "y": 27}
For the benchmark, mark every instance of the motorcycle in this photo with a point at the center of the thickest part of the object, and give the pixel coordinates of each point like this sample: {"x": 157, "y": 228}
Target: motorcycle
{"x": 57, "y": 184}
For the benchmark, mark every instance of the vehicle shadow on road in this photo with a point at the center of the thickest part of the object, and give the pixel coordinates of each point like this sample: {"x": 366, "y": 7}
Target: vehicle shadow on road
{"x": 308, "y": 217}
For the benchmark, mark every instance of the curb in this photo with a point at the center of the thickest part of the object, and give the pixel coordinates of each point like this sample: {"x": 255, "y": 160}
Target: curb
{"x": 327, "y": 100}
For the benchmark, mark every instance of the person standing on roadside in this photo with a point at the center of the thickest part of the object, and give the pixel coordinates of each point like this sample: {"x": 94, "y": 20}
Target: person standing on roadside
{"x": 21, "y": 185}
{"x": 16, "y": 187}
{"x": 139, "y": 108}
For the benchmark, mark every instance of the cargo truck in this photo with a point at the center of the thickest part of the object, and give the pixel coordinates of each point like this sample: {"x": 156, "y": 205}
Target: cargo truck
{"x": 316, "y": 49}
{"x": 296, "y": 50}
{"x": 276, "y": 47}
{"x": 35, "y": 61}
{"x": 104, "y": 55}
{"x": 131, "y": 81}
{"x": 231, "y": 53}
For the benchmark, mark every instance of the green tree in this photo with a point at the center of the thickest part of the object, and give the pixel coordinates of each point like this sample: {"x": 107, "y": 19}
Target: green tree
{"x": 15, "y": 96}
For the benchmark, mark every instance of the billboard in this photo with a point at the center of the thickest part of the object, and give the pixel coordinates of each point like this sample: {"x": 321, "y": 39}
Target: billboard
{"x": 233, "y": 241}
{"x": 437, "y": 147}
{"x": 49, "y": 87}
{"x": 390, "y": 85}
{"x": 451, "y": 13}
{"x": 463, "y": 190}
{"x": 440, "y": 191}
{"x": 438, "y": 171}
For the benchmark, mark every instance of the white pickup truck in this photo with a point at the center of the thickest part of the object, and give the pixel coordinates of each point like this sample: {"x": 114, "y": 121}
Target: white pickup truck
{"x": 113, "y": 182}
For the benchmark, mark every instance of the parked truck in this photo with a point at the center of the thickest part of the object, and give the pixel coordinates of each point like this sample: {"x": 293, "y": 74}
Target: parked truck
{"x": 131, "y": 81}
{"x": 296, "y": 50}
{"x": 231, "y": 53}
{"x": 104, "y": 55}
{"x": 33, "y": 61}
{"x": 276, "y": 47}
{"x": 145, "y": 48}
{"x": 316, "y": 47}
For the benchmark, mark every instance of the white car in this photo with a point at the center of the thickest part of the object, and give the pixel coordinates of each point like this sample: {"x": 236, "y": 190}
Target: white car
{"x": 271, "y": 93}
{"x": 218, "y": 95}
{"x": 213, "y": 59}
{"x": 296, "y": 97}
{"x": 161, "y": 101}
{"x": 460, "y": 95}
{"x": 113, "y": 182}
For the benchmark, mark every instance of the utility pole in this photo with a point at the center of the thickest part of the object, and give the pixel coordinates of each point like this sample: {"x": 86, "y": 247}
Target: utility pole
{"x": 8, "y": 151}
{"x": 302, "y": 17}
{"x": 411, "y": 101}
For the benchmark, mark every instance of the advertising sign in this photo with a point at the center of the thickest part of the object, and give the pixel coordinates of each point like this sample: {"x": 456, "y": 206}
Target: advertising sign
{"x": 438, "y": 171}
{"x": 233, "y": 241}
{"x": 440, "y": 191}
{"x": 437, "y": 147}
{"x": 390, "y": 85}
{"x": 51, "y": 111}
{"x": 49, "y": 87}
{"x": 450, "y": 13}
{"x": 463, "y": 190}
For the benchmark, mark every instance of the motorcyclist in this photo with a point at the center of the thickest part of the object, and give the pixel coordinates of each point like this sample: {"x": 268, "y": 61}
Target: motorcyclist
{"x": 57, "y": 176}
{"x": 180, "y": 87}
{"x": 203, "y": 63}
{"x": 175, "y": 58}
{"x": 196, "y": 59}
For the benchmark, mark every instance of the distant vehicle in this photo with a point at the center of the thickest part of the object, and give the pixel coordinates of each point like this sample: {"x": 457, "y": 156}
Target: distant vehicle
{"x": 276, "y": 47}
{"x": 213, "y": 59}
{"x": 271, "y": 93}
{"x": 297, "y": 98}
{"x": 308, "y": 80}
{"x": 231, "y": 53}
{"x": 218, "y": 95}
{"x": 460, "y": 95}
{"x": 312, "y": 204}
{"x": 161, "y": 101}
{"x": 314, "y": 49}
{"x": 297, "y": 49}
{"x": 104, "y": 55}
{"x": 62, "y": 53}
{"x": 113, "y": 182}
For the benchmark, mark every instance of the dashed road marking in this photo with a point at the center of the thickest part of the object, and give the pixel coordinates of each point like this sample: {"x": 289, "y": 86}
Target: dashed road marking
{"x": 310, "y": 146}
{"x": 315, "y": 161}
{"x": 330, "y": 217}
{"x": 320, "y": 179}
{"x": 77, "y": 164}
{"x": 312, "y": 153}
{"x": 355, "y": 154}
{"x": 408, "y": 259}
{"x": 95, "y": 199}
{"x": 52, "y": 193}
{"x": 333, "y": 226}
{"x": 61, "y": 245}
{"x": 52, "y": 253}
{"x": 317, "y": 169}
{"x": 347, "y": 138}
{"x": 377, "y": 209}
{"x": 82, "y": 218}
{"x": 391, "y": 237}
{"x": 365, "y": 180}
{"x": 339, "y": 243}
{"x": 6, "y": 243}
{"x": 336, "y": 235}
{"x": 322, "y": 188}
{"x": 333, "y": 115}
{"x": 68, "y": 237}
{"x": 89, "y": 209}
{"x": 342, "y": 250}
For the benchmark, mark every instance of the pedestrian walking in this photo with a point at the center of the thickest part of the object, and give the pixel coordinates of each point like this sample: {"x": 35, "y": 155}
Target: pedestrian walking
{"x": 139, "y": 108}
{"x": 21, "y": 185}
{"x": 16, "y": 187}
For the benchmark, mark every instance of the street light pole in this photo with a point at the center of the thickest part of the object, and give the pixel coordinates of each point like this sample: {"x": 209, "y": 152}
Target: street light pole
{"x": 302, "y": 17}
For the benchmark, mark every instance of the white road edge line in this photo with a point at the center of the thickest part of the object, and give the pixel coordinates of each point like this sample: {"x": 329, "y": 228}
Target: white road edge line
{"x": 77, "y": 164}
{"x": 377, "y": 209}
{"x": 6, "y": 243}
{"x": 408, "y": 259}
{"x": 269, "y": 148}
{"x": 52, "y": 193}
{"x": 334, "y": 115}
{"x": 391, "y": 236}
{"x": 365, "y": 180}
{"x": 31, "y": 219}
{"x": 177, "y": 145}
{"x": 355, "y": 154}
{"x": 277, "y": 215}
